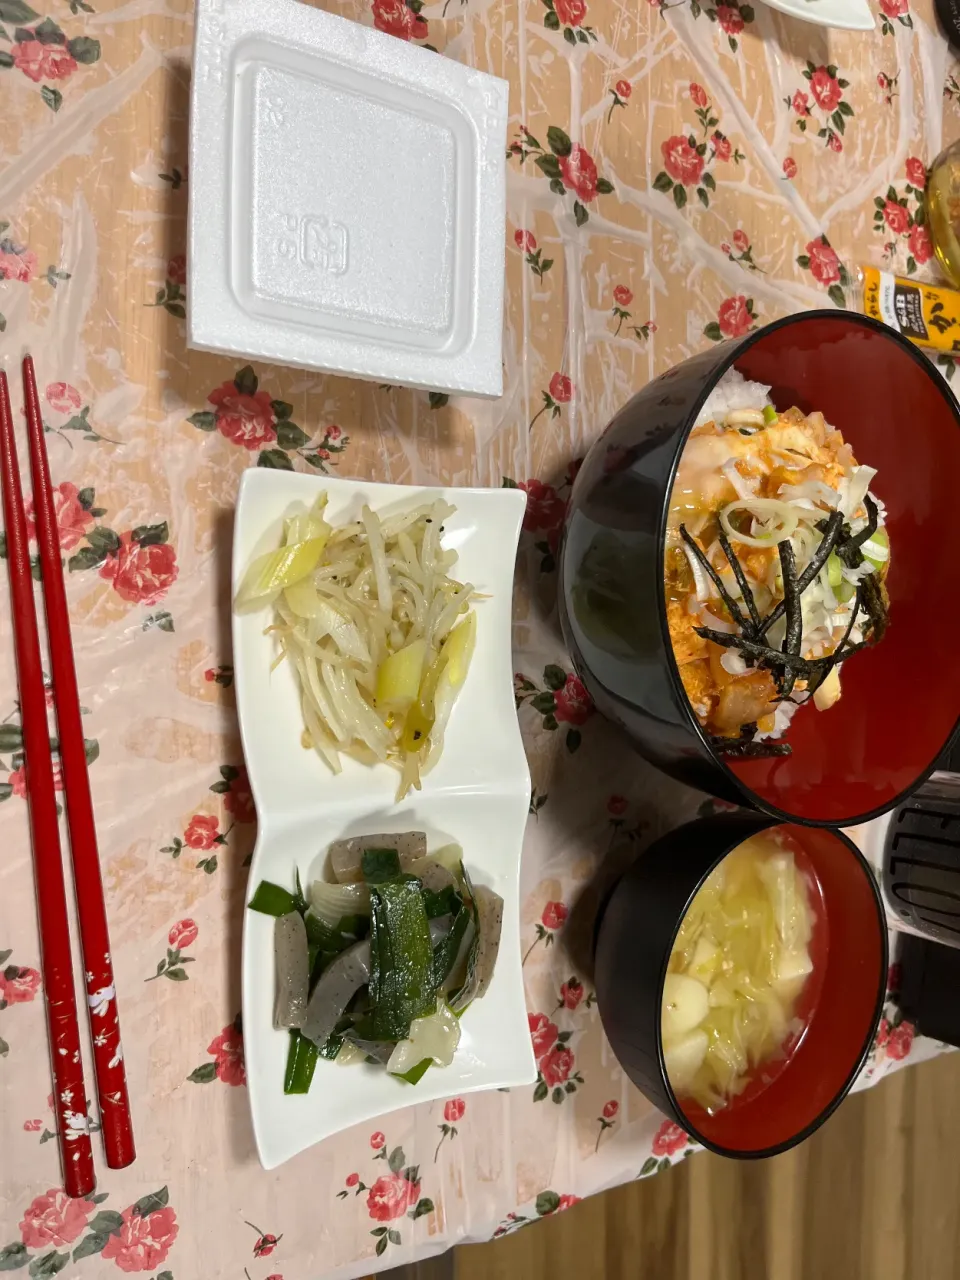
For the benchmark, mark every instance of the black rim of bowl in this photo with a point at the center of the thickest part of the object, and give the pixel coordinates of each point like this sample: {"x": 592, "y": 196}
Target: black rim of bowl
{"x": 680, "y": 1114}
{"x": 752, "y": 799}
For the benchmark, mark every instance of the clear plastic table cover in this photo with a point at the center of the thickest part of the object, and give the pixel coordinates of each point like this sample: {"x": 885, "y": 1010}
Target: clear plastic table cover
{"x": 628, "y": 248}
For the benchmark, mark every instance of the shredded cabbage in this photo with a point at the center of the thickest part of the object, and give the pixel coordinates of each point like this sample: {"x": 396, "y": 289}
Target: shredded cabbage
{"x": 374, "y": 626}
{"x": 739, "y": 963}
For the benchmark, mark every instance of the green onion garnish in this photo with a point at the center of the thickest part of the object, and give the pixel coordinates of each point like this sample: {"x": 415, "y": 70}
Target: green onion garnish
{"x": 272, "y": 900}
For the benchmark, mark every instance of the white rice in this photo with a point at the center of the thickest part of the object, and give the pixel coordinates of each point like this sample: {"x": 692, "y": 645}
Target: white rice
{"x": 733, "y": 391}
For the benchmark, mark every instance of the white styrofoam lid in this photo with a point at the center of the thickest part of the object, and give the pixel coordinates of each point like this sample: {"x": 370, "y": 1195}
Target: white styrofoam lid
{"x": 347, "y": 199}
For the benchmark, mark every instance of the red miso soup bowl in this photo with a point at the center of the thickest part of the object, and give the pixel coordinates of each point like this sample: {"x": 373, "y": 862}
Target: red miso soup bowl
{"x": 901, "y": 698}
{"x": 844, "y": 993}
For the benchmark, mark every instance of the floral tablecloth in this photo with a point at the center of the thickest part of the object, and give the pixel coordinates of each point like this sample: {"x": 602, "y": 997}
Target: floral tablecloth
{"x": 678, "y": 171}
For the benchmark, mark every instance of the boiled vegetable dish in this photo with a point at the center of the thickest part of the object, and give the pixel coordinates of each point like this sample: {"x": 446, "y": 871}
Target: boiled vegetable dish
{"x": 379, "y": 634}
{"x": 737, "y": 973}
{"x": 378, "y": 965}
{"x": 776, "y": 558}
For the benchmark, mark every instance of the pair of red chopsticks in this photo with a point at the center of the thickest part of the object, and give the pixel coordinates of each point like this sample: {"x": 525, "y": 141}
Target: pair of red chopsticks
{"x": 70, "y": 1099}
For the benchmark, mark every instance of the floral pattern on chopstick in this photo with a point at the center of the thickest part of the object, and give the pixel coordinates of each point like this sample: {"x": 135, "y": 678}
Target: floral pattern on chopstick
{"x": 247, "y": 416}
{"x": 394, "y": 1195}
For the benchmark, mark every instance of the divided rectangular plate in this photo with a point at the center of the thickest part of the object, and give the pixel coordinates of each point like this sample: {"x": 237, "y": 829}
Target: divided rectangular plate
{"x": 477, "y": 795}
{"x": 347, "y": 199}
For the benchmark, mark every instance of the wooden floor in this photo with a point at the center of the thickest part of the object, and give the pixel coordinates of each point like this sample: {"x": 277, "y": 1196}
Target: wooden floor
{"x": 875, "y": 1195}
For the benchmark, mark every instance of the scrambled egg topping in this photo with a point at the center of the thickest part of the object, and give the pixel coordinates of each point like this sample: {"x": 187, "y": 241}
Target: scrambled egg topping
{"x": 792, "y": 450}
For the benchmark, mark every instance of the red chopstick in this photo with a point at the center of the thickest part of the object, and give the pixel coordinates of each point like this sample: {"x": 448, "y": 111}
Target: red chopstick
{"x": 111, "y": 1077}
{"x": 69, "y": 1099}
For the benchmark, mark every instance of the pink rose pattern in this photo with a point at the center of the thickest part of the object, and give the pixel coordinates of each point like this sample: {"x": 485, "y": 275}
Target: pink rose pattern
{"x": 172, "y": 295}
{"x": 622, "y": 298}
{"x": 395, "y": 1194}
{"x": 892, "y": 11}
{"x": 19, "y": 263}
{"x": 735, "y": 317}
{"x": 568, "y": 166}
{"x": 247, "y": 416}
{"x": 901, "y": 218}
{"x": 142, "y": 570}
{"x": 620, "y": 95}
{"x": 557, "y": 1075}
{"x": 826, "y": 96}
{"x": 560, "y": 699}
{"x": 46, "y": 56}
{"x": 688, "y": 158}
{"x": 182, "y": 935}
{"x": 206, "y": 833}
{"x": 137, "y": 1239}
{"x": 568, "y": 16}
{"x": 731, "y": 19}
{"x": 607, "y": 1119}
{"x": 453, "y": 1113}
{"x": 526, "y": 242}
{"x": 13, "y": 774}
{"x": 228, "y": 1065}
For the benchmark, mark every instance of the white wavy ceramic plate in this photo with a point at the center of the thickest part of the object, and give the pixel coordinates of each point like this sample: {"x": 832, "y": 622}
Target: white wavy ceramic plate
{"x": 845, "y": 15}
{"x": 477, "y": 795}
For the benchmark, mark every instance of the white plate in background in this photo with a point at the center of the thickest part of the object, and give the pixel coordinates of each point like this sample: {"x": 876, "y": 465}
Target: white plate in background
{"x": 845, "y": 15}
{"x": 478, "y": 795}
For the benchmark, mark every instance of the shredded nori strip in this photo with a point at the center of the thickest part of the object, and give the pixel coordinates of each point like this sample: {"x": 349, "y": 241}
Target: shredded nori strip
{"x": 772, "y": 658}
{"x": 744, "y": 747}
{"x": 741, "y": 577}
{"x": 787, "y": 664}
{"x": 874, "y": 605}
{"x": 791, "y": 600}
{"x": 848, "y": 545}
{"x": 732, "y": 606}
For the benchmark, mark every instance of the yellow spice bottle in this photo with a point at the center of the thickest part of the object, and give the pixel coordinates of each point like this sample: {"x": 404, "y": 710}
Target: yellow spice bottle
{"x": 927, "y": 314}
